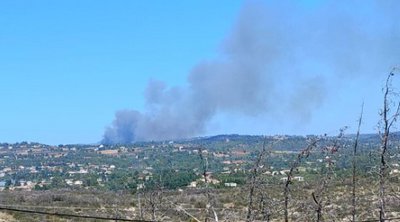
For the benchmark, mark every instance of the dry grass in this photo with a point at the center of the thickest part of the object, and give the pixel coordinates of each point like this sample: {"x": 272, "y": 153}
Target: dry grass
{"x": 4, "y": 217}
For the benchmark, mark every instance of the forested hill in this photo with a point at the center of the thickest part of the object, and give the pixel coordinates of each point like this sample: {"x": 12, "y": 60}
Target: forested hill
{"x": 286, "y": 142}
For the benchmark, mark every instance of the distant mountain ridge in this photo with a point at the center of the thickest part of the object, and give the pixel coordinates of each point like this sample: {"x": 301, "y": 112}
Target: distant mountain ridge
{"x": 367, "y": 137}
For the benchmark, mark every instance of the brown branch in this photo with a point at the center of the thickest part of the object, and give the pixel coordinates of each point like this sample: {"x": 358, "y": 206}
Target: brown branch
{"x": 254, "y": 177}
{"x": 354, "y": 163}
{"x": 333, "y": 149}
{"x": 319, "y": 207}
{"x": 387, "y": 124}
{"x": 209, "y": 205}
{"x": 303, "y": 154}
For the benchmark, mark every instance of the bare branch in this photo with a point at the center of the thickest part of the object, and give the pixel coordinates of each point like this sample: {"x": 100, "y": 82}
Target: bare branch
{"x": 353, "y": 212}
{"x": 303, "y": 154}
{"x": 209, "y": 205}
{"x": 387, "y": 123}
{"x": 254, "y": 177}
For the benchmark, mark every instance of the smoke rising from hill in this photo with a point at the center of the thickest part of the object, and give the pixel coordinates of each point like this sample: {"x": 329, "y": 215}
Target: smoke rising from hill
{"x": 279, "y": 57}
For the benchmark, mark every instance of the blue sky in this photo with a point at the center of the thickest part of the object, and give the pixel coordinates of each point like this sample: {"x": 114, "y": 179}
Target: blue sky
{"x": 66, "y": 67}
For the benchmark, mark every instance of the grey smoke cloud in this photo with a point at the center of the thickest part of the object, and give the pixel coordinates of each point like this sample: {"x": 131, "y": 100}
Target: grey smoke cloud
{"x": 279, "y": 57}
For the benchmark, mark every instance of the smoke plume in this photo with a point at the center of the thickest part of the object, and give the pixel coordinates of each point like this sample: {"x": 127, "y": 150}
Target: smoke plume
{"x": 280, "y": 57}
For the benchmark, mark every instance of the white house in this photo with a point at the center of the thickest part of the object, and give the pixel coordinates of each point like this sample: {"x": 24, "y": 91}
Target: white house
{"x": 230, "y": 184}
